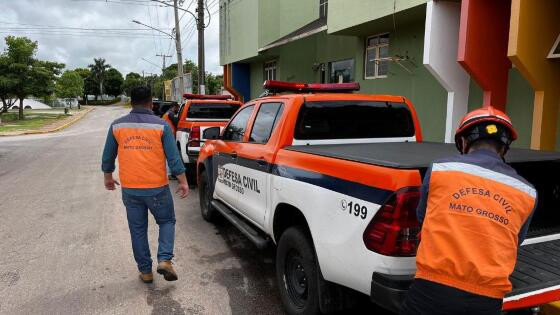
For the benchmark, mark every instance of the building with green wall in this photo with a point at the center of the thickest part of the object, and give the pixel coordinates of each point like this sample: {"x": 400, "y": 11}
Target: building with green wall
{"x": 379, "y": 44}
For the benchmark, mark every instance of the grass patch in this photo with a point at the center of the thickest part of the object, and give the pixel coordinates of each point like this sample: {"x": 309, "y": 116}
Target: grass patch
{"x": 32, "y": 121}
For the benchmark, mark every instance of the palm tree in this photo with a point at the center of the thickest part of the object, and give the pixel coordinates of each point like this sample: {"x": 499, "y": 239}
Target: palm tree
{"x": 99, "y": 71}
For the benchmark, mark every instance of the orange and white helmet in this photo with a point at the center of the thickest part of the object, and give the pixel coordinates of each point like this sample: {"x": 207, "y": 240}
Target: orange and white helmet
{"x": 485, "y": 123}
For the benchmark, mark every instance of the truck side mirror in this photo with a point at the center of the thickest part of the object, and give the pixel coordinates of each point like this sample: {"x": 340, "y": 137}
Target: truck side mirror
{"x": 211, "y": 133}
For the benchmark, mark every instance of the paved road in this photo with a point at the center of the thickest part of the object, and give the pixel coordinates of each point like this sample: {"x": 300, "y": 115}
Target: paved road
{"x": 65, "y": 247}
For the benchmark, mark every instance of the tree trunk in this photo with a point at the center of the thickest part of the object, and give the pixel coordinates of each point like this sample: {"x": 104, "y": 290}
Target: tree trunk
{"x": 4, "y": 105}
{"x": 101, "y": 89}
{"x": 21, "y": 109}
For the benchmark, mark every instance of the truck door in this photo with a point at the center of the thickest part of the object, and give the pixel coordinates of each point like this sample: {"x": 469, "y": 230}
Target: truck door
{"x": 227, "y": 178}
{"x": 255, "y": 162}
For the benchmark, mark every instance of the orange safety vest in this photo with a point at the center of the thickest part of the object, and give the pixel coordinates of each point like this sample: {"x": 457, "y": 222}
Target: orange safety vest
{"x": 168, "y": 120}
{"x": 470, "y": 232}
{"x": 141, "y": 155}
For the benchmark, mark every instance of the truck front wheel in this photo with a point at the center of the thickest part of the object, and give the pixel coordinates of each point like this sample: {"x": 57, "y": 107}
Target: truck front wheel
{"x": 205, "y": 198}
{"x": 296, "y": 272}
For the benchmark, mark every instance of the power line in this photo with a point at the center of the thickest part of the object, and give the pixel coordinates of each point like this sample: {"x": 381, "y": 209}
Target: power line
{"x": 152, "y": 23}
{"x": 185, "y": 12}
{"x": 138, "y": 3}
{"x": 157, "y": 22}
{"x": 70, "y": 27}
{"x": 108, "y": 35}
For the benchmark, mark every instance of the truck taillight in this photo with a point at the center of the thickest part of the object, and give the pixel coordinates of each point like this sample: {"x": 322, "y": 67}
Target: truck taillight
{"x": 394, "y": 229}
{"x": 193, "y": 136}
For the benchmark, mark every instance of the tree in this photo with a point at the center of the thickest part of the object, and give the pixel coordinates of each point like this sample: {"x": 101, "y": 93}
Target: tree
{"x": 114, "y": 85}
{"x": 19, "y": 53}
{"x": 90, "y": 88}
{"x": 44, "y": 76}
{"x": 70, "y": 85}
{"x": 131, "y": 81}
{"x": 214, "y": 83}
{"x": 26, "y": 75}
{"x": 7, "y": 84}
{"x": 99, "y": 72}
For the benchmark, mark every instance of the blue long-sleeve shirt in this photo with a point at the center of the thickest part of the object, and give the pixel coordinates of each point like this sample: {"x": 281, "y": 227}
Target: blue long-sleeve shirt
{"x": 483, "y": 158}
{"x": 169, "y": 147}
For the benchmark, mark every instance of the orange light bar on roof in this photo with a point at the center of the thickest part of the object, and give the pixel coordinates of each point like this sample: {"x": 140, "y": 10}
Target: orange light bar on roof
{"x": 281, "y": 86}
{"x": 191, "y": 96}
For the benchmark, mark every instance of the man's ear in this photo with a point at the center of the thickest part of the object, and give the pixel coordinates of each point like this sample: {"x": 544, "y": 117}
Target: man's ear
{"x": 465, "y": 144}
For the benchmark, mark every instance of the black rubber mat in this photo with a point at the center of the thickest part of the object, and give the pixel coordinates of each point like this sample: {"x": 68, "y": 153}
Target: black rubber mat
{"x": 538, "y": 267}
{"x": 408, "y": 155}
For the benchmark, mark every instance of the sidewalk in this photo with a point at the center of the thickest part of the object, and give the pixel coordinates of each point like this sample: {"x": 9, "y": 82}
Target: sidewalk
{"x": 55, "y": 126}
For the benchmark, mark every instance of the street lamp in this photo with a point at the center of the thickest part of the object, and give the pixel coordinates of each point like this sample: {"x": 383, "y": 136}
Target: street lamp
{"x": 177, "y": 7}
{"x": 155, "y": 29}
{"x": 177, "y": 40}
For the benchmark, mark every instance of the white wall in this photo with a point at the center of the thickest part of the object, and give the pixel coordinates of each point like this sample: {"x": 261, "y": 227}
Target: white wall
{"x": 441, "y": 40}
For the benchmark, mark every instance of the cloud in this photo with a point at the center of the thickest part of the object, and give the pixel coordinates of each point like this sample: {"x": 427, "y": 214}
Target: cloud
{"x": 123, "y": 48}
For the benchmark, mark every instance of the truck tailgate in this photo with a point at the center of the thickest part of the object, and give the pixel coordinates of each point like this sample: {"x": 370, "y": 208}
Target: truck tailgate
{"x": 536, "y": 279}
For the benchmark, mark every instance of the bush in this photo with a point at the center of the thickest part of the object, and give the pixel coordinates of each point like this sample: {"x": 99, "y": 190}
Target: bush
{"x": 101, "y": 103}
{"x": 9, "y": 117}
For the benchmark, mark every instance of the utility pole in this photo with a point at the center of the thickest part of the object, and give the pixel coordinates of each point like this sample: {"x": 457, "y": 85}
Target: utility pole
{"x": 179, "y": 51}
{"x": 199, "y": 18}
{"x": 200, "y": 26}
{"x": 163, "y": 56}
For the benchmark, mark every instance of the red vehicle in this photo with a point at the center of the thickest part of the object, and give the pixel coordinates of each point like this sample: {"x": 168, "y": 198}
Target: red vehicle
{"x": 331, "y": 178}
{"x": 196, "y": 114}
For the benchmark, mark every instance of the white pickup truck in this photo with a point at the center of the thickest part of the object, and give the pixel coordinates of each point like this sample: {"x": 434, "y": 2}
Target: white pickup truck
{"x": 332, "y": 180}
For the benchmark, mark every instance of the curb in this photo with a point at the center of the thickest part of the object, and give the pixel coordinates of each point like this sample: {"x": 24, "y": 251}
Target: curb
{"x": 66, "y": 125}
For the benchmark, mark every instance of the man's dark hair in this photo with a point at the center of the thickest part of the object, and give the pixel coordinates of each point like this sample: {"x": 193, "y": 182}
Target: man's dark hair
{"x": 141, "y": 96}
{"x": 488, "y": 143}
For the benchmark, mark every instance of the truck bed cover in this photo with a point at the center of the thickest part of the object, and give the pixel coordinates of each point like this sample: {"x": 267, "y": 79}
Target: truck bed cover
{"x": 538, "y": 267}
{"x": 408, "y": 155}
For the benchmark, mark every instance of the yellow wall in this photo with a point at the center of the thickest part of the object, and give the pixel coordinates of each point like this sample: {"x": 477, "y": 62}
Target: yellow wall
{"x": 167, "y": 87}
{"x": 534, "y": 27}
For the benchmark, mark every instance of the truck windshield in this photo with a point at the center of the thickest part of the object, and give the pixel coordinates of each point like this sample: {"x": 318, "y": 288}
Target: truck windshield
{"x": 211, "y": 111}
{"x": 353, "y": 120}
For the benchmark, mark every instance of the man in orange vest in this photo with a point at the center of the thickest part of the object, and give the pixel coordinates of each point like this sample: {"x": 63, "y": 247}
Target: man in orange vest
{"x": 144, "y": 143}
{"x": 171, "y": 118}
{"x": 475, "y": 212}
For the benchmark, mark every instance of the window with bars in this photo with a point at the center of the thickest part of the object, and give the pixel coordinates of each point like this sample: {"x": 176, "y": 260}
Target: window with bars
{"x": 377, "y": 56}
{"x": 270, "y": 70}
{"x": 323, "y": 8}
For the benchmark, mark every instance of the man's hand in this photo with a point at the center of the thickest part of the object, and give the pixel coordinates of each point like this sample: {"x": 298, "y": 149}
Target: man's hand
{"x": 110, "y": 182}
{"x": 183, "y": 188}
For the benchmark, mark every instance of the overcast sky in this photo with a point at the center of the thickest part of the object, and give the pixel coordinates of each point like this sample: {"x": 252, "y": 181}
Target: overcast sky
{"x": 61, "y": 27}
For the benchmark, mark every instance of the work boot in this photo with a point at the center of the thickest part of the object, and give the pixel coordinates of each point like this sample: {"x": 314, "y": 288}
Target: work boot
{"x": 166, "y": 269}
{"x": 147, "y": 277}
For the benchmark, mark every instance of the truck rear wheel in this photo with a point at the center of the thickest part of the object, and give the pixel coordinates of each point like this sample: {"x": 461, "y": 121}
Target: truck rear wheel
{"x": 296, "y": 272}
{"x": 205, "y": 199}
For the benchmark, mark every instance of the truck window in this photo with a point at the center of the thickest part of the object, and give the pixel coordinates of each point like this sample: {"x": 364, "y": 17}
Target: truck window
{"x": 353, "y": 120}
{"x": 209, "y": 111}
{"x": 237, "y": 126}
{"x": 267, "y": 118}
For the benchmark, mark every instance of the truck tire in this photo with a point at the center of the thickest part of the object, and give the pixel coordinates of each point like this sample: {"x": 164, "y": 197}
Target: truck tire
{"x": 205, "y": 199}
{"x": 296, "y": 273}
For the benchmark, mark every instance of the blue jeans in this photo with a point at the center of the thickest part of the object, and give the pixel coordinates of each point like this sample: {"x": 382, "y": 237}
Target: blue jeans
{"x": 161, "y": 207}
